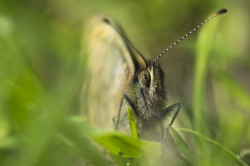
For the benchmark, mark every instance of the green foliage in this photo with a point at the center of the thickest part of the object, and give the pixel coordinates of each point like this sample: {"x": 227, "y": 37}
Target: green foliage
{"x": 132, "y": 123}
{"x": 182, "y": 145}
{"x": 42, "y": 66}
{"x": 223, "y": 148}
{"x": 128, "y": 147}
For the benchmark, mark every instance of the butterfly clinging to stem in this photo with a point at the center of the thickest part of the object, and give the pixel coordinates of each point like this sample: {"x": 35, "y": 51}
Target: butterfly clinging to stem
{"x": 120, "y": 77}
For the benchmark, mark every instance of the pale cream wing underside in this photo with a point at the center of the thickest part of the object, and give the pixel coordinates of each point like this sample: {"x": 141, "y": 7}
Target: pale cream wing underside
{"x": 110, "y": 66}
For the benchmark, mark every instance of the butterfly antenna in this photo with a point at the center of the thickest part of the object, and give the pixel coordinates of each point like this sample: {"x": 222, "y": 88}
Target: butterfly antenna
{"x": 219, "y": 12}
{"x": 124, "y": 37}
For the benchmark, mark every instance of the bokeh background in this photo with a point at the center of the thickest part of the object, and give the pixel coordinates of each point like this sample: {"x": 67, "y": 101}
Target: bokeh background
{"x": 42, "y": 64}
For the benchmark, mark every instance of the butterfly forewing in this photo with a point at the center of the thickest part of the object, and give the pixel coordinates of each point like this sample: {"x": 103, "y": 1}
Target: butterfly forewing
{"x": 110, "y": 67}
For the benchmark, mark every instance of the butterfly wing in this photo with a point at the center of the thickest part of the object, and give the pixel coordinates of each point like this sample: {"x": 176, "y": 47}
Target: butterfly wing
{"x": 110, "y": 67}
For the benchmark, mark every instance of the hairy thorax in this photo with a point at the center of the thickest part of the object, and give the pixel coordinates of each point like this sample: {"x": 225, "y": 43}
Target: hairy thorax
{"x": 150, "y": 101}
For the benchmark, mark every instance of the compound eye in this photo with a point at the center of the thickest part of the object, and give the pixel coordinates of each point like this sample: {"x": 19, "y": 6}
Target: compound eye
{"x": 144, "y": 78}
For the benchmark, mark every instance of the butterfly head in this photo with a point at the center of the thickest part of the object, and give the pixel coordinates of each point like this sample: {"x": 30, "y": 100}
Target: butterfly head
{"x": 151, "y": 76}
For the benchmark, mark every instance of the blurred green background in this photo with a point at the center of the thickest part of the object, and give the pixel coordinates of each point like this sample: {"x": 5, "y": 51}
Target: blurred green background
{"x": 42, "y": 62}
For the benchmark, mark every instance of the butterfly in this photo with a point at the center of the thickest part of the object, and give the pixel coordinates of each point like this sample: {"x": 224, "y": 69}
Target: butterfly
{"x": 119, "y": 77}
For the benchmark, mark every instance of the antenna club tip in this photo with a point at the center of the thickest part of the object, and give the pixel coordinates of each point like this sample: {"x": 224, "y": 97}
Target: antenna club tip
{"x": 221, "y": 11}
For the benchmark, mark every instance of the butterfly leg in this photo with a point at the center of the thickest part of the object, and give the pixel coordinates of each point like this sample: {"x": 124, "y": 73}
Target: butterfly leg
{"x": 130, "y": 103}
{"x": 176, "y": 108}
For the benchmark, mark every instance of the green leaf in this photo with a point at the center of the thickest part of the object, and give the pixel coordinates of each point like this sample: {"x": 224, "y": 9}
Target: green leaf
{"x": 128, "y": 147}
{"x": 116, "y": 143}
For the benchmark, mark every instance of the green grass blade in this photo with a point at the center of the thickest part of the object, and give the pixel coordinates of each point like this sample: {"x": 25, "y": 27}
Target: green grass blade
{"x": 204, "y": 46}
{"x": 74, "y": 138}
{"x": 132, "y": 123}
{"x": 181, "y": 144}
{"x": 235, "y": 89}
{"x": 215, "y": 143}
